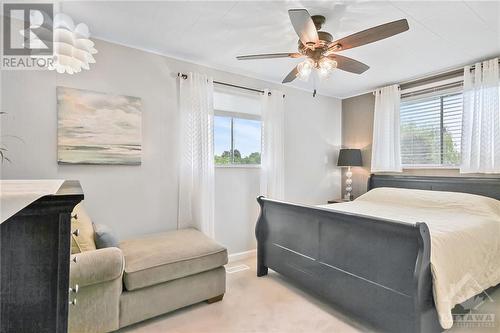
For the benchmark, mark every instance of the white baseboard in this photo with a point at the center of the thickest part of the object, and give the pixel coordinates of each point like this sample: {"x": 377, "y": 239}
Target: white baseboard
{"x": 242, "y": 255}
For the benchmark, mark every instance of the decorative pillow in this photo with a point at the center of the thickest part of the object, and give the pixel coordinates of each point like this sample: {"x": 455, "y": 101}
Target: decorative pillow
{"x": 104, "y": 237}
{"x": 85, "y": 239}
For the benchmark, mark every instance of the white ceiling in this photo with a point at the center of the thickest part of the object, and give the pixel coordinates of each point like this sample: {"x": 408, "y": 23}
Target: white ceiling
{"x": 442, "y": 35}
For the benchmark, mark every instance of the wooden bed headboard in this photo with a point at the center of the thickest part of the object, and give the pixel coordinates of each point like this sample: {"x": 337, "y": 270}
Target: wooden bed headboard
{"x": 486, "y": 186}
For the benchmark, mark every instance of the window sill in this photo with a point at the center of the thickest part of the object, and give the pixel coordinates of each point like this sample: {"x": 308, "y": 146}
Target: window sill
{"x": 238, "y": 166}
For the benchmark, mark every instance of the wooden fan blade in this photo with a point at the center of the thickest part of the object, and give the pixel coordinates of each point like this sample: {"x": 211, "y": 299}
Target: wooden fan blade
{"x": 370, "y": 35}
{"x": 292, "y": 75}
{"x": 349, "y": 65}
{"x": 304, "y": 26}
{"x": 269, "y": 56}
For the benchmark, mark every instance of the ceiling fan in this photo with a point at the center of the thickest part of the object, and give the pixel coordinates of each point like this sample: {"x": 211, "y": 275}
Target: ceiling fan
{"x": 320, "y": 49}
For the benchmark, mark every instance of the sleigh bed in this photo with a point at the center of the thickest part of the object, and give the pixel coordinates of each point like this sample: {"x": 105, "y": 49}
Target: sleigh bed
{"x": 374, "y": 269}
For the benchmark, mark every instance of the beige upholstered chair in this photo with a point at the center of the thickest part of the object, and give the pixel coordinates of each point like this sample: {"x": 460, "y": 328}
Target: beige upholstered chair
{"x": 98, "y": 275}
{"x": 144, "y": 278}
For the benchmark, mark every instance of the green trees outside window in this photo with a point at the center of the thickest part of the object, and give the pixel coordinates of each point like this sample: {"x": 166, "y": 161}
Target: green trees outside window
{"x": 237, "y": 141}
{"x": 431, "y": 130}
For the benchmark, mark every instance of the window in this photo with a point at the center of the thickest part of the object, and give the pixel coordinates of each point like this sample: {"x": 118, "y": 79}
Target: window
{"x": 237, "y": 140}
{"x": 237, "y": 126}
{"x": 431, "y": 130}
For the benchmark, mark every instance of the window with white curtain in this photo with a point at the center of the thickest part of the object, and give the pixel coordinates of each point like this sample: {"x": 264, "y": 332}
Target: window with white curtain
{"x": 237, "y": 140}
{"x": 237, "y": 128}
{"x": 431, "y": 130}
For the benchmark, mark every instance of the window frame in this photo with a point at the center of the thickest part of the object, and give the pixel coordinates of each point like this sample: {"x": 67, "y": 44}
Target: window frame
{"x": 441, "y": 95}
{"x": 239, "y": 115}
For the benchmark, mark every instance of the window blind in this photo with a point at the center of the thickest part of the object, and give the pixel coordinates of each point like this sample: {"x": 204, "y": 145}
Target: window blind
{"x": 431, "y": 130}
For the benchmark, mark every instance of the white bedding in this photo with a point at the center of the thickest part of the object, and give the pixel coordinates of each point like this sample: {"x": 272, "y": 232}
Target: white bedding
{"x": 465, "y": 237}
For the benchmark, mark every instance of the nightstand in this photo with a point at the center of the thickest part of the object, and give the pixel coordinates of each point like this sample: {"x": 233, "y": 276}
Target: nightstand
{"x": 339, "y": 200}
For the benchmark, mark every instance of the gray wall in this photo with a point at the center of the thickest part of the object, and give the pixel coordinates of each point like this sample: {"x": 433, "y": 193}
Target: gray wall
{"x": 357, "y": 132}
{"x": 135, "y": 200}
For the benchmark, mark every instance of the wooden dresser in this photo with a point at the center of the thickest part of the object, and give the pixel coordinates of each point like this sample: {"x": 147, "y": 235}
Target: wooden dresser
{"x": 35, "y": 260}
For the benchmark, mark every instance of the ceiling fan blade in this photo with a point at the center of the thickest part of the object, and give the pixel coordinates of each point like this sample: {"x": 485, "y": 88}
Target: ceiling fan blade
{"x": 304, "y": 26}
{"x": 292, "y": 75}
{"x": 370, "y": 35}
{"x": 349, "y": 65}
{"x": 269, "y": 56}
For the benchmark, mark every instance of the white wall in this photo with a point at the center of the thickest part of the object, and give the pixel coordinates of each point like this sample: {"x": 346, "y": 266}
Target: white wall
{"x": 236, "y": 207}
{"x": 135, "y": 200}
{"x": 312, "y": 142}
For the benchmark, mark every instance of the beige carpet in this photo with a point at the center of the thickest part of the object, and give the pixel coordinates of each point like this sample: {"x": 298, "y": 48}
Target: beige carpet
{"x": 269, "y": 304}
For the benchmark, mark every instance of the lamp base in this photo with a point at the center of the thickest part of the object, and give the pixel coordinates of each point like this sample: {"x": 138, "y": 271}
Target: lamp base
{"x": 348, "y": 185}
{"x": 348, "y": 197}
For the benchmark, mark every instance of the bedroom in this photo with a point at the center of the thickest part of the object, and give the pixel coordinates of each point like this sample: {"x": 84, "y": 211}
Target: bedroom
{"x": 147, "y": 106}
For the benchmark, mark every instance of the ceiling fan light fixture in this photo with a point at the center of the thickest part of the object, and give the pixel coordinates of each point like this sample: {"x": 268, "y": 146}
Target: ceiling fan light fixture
{"x": 320, "y": 49}
{"x": 305, "y": 68}
{"x": 324, "y": 73}
{"x": 326, "y": 66}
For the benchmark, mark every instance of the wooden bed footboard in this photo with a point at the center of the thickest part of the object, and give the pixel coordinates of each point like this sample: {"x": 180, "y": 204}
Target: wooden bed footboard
{"x": 375, "y": 270}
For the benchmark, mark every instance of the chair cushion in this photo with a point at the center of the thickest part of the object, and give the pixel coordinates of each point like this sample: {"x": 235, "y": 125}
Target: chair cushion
{"x": 169, "y": 255}
{"x": 85, "y": 240}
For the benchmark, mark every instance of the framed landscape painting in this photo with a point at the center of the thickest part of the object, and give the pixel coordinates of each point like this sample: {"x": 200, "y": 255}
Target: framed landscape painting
{"x": 98, "y": 128}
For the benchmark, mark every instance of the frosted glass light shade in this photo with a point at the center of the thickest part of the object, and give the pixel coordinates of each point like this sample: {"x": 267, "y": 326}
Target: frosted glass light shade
{"x": 305, "y": 68}
{"x": 326, "y": 66}
{"x": 73, "y": 49}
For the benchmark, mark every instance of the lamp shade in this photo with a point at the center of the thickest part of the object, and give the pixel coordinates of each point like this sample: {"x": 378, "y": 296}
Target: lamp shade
{"x": 350, "y": 157}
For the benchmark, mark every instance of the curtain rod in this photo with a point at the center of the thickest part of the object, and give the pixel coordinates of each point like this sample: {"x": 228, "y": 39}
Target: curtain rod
{"x": 434, "y": 78}
{"x": 433, "y": 89}
{"x": 417, "y": 92}
{"x": 450, "y": 73}
{"x": 184, "y": 76}
{"x": 472, "y": 67}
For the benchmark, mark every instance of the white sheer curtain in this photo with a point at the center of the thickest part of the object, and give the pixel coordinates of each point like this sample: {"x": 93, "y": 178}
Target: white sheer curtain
{"x": 196, "y": 174}
{"x": 481, "y": 119}
{"x": 386, "y": 146}
{"x": 272, "y": 177}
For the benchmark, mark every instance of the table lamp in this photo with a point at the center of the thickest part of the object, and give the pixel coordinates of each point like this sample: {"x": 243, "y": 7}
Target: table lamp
{"x": 349, "y": 158}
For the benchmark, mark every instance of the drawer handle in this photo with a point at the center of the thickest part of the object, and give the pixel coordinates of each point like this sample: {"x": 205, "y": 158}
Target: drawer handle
{"x": 74, "y": 289}
{"x": 74, "y": 259}
{"x": 73, "y": 302}
{"x": 76, "y": 232}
